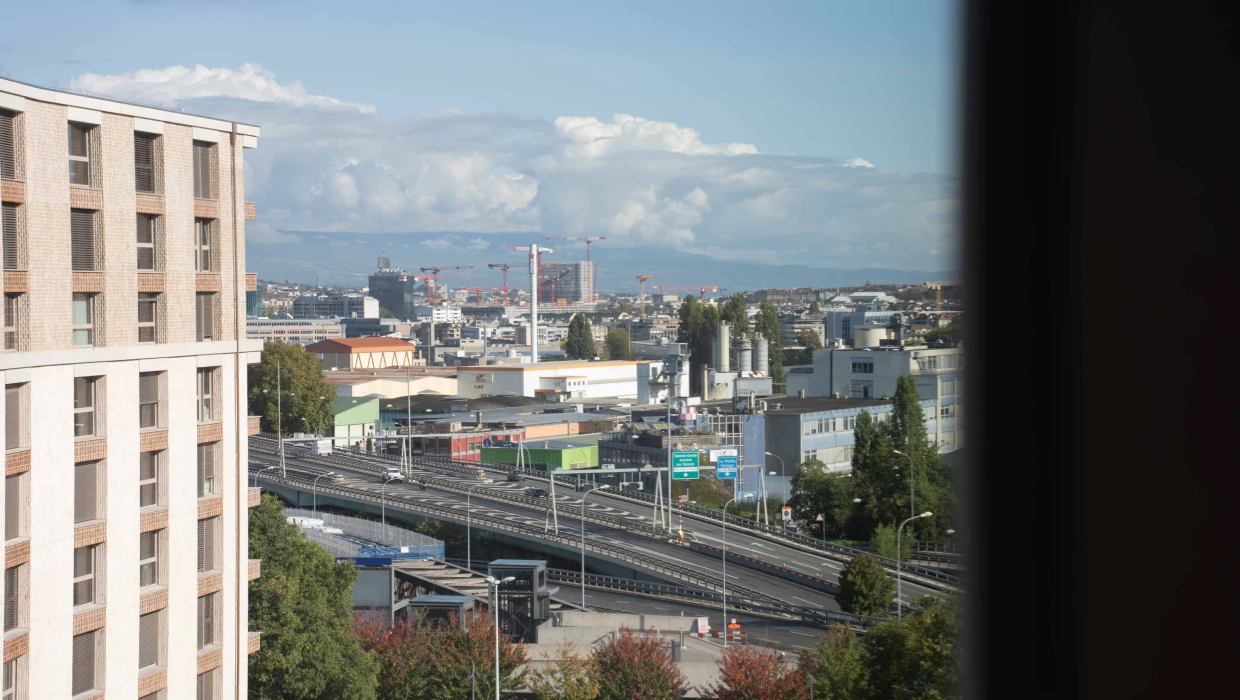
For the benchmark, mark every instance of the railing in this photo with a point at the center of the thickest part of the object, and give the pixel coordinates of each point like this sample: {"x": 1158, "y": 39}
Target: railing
{"x": 926, "y": 546}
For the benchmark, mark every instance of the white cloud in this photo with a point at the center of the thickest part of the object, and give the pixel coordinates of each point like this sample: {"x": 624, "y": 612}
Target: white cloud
{"x": 326, "y": 167}
{"x": 176, "y": 83}
{"x": 857, "y": 163}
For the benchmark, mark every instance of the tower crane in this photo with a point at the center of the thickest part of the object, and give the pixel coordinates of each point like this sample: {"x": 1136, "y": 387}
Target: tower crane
{"x": 589, "y": 265}
{"x": 938, "y": 292}
{"x": 504, "y": 267}
{"x": 434, "y": 270}
{"x": 641, "y": 293}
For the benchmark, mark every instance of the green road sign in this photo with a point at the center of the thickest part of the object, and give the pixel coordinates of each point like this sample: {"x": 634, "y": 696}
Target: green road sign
{"x": 684, "y": 464}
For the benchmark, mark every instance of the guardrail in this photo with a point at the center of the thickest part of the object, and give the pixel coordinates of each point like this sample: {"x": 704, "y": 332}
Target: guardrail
{"x": 926, "y": 547}
{"x": 619, "y": 554}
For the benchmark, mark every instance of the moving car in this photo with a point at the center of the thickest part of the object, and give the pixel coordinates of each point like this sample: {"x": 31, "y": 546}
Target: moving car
{"x": 392, "y": 473}
{"x": 536, "y": 492}
{"x": 516, "y": 476}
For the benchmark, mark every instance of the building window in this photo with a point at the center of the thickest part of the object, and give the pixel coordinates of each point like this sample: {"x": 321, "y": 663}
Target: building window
{"x": 14, "y": 506}
{"x": 206, "y": 621}
{"x": 947, "y": 412}
{"x": 208, "y": 453}
{"x": 807, "y": 455}
{"x": 86, "y": 492}
{"x": 13, "y": 598}
{"x": 148, "y": 639}
{"x": 144, "y": 162}
{"x": 85, "y": 561}
{"x": 12, "y": 317}
{"x": 863, "y": 366}
{"x": 861, "y": 389}
{"x": 203, "y": 155}
{"x": 203, "y": 233}
{"x": 80, "y": 137}
{"x": 850, "y": 423}
{"x": 83, "y": 319}
{"x": 146, "y": 242}
{"x": 149, "y": 464}
{"x": 85, "y": 401}
{"x": 85, "y": 673}
{"x": 947, "y": 387}
{"x": 148, "y": 559}
{"x": 14, "y": 679}
{"x": 16, "y": 417}
{"x": 148, "y": 399}
{"x": 8, "y": 145}
{"x": 82, "y": 225}
{"x": 11, "y": 236}
{"x": 206, "y": 395}
{"x": 204, "y": 317}
{"x": 207, "y": 531}
{"x": 206, "y": 686}
{"x": 148, "y": 313}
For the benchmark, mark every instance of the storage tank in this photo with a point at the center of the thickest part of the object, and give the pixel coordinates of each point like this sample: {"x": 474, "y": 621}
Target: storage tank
{"x": 723, "y": 342}
{"x": 744, "y": 355}
{"x": 868, "y": 336}
{"x": 512, "y": 352}
{"x": 761, "y": 354}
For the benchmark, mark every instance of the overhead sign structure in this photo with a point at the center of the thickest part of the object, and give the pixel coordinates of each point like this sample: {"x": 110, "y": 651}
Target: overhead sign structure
{"x": 726, "y": 466}
{"x": 684, "y": 464}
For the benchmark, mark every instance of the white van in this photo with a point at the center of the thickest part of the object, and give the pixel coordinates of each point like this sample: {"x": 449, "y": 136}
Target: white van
{"x": 392, "y": 473}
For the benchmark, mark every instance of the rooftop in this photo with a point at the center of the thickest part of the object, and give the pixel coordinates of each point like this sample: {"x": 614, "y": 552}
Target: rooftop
{"x": 345, "y": 377}
{"x": 814, "y": 404}
{"x": 355, "y": 345}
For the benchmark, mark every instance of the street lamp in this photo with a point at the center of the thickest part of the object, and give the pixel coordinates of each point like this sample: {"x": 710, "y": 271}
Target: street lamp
{"x": 899, "y": 580}
{"x": 260, "y": 471}
{"x": 314, "y": 489}
{"x": 469, "y": 552}
{"x": 583, "y": 540}
{"x": 724, "y": 520}
{"x": 495, "y": 584}
{"x": 383, "y": 501}
{"x": 782, "y": 475}
{"x": 911, "y": 507}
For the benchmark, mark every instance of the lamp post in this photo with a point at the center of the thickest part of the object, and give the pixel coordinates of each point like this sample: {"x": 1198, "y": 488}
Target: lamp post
{"x": 583, "y": 541}
{"x": 260, "y": 471}
{"x": 724, "y": 520}
{"x": 911, "y": 507}
{"x": 314, "y": 489}
{"x": 495, "y": 584}
{"x": 383, "y": 501}
{"x": 782, "y": 475}
{"x": 899, "y": 600}
{"x": 469, "y": 551}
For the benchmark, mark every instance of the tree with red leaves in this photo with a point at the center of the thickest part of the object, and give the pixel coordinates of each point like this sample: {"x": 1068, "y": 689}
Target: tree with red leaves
{"x": 753, "y": 673}
{"x": 636, "y": 666}
{"x": 433, "y": 660}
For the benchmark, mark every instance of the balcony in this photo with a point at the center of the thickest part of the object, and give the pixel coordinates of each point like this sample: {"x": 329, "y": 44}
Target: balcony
{"x": 254, "y": 425}
{"x": 13, "y": 191}
{"x": 254, "y": 496}
{"x": 255, "y": 569}
{"x": 251, "y": 212}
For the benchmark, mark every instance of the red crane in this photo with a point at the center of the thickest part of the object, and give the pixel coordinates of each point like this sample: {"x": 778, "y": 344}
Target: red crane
{"x": 433, "y": 293}
{"x": 504, "y": 267}
{"x": 592, "y": 268}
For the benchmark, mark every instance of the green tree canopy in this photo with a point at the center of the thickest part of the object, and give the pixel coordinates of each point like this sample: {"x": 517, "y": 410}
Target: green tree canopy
{"x": 303, "y": 606}
{"x": 579, "y": 345}
{"x": 818, "y": 492}
{"x": 629, "y": 666}
{"x": 618, "y": 345}
{"x": 865, "y": 588}
{"x": 736, "y": 312}
{"x": 814, "y": 308}
{"x": 385, "y": 312}
{"x": 838, "y": 665}
{"x": 625, "y": 308}
{"x": 305, "y": 396}
{"x": 918, "y": 657}
{"x": 568, "y": 678}
{"x": 809, "y": 339}
{"x": 698, "y": 325}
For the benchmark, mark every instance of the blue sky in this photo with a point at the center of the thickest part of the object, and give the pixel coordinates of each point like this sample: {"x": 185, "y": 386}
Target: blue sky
{"x": 814, "y": 80}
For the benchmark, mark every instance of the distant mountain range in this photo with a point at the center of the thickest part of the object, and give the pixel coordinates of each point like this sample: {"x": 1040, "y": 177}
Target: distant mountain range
{"x": 348, "y": 259}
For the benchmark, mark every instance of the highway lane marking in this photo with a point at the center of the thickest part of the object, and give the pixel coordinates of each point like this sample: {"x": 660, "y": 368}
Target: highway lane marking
{"x": 658, "y": 608}
{"x": 806, "y": 601}
{"x": 803, "y": 634}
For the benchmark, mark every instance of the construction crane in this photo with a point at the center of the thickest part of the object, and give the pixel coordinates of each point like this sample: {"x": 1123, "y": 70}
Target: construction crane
{"x": 688, "y": 287}
{"x": 590, "y": 266}
{"x": 549, "y": 284}
{"x": 504, "y": 267}
{"x": 938, "y": 292}
{"x": 641, "y": 294}
{"x": 434, "y": 292}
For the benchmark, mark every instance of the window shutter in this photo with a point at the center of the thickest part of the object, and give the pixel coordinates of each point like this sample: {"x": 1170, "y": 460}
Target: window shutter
{"x": 12, "y": 506}
{"x": 8, "y": 222}
{"x": 208, "y": 620}
{"x": 83, "y": 662}
{"x": 82, "y": 231}
{"x": 206, "y": 686}
{"x": 202, "y": 536}
{"x": 8, "y": 160}
{"x": 12, "y": 416}
{"x": 202, "y": 171}
{"x": 148, "y": 640}
{"x": 85, "y": 486}
{"x": 148, "y": 387}
{"x": 10, "y": 597}
{"x": 144, "y": 162}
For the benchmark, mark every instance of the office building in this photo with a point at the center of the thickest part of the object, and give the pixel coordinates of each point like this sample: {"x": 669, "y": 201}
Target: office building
{"x": 393, "y": 289}
{"x": 839, "y": 323}
{"x": 125, "y": 362}
{"x": 336, "y": 306}
{"x": 292, "y": 330}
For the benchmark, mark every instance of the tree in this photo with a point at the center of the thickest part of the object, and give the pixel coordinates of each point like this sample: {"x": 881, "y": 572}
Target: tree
{"x": 579, "y": 345}
{"x": 865, "y": 588}
{"x": 384, "y": 312}
{"x": 618, "y": 345}
{"x": 626, "y": 308}
{"x": 436, "y": 660}
{"x": 814, "y": 308}
{"x": 883, "y": 541}
{"x": 919, "y": 656}
{"x": 838, "y": 666}
{"x": 303, "y": 606}
{"x": 306, "y": 397}
{"x": 766, "y": 322}
{"x": 698, "y": 325}
{"x": 568, "y": 678}
{"x": 817, "y": 492}
{"x": 630, "y": 666}
{"x": 753, "y": 673}
{"x": 809, "y": 339}
{"x": 736, "y": 312}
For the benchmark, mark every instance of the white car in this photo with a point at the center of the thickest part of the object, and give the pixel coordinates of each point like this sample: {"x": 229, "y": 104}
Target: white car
{"x": 392, "y": 474}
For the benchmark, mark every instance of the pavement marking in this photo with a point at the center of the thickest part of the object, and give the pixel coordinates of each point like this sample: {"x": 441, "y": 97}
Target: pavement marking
{"x": 806, "y": 601}
{"x": 803, "y": 634}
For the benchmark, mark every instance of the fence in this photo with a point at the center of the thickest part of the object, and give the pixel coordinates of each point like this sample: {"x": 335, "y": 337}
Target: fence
{"x": 373, "y": 534}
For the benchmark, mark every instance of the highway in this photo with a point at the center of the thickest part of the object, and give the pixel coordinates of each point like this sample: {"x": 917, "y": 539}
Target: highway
{"x": 611, "y": 522}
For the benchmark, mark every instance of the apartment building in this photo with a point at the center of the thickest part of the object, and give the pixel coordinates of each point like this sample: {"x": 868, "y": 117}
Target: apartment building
{"x": 300, "y": 331}
{"x": 124, "y": 362}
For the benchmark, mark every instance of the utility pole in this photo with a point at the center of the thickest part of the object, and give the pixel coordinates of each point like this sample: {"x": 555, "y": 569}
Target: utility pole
{"x": 279, "y": 420}
{"x": 534, "y": 303}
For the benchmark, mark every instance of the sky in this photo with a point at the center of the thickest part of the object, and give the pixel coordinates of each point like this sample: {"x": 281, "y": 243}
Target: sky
{"x": 817, "y": 132}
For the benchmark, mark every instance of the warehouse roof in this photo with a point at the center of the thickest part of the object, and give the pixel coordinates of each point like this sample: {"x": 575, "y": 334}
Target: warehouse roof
{"x": 358, "y": 345}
